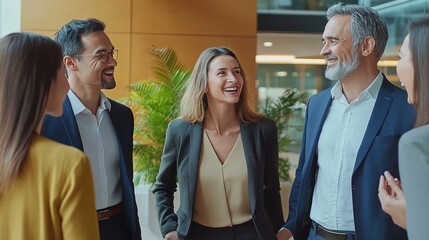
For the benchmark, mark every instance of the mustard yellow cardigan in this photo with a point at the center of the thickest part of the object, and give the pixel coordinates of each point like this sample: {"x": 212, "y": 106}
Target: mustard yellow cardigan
{"x": 52, "y": 198}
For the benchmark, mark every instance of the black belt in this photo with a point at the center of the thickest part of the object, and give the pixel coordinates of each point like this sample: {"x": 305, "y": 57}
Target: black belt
{"x": 332, "y": 235}
{"x": 106, "y": 213}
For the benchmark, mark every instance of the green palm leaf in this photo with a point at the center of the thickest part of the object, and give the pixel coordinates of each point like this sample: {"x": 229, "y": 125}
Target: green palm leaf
{"x": 155, "y": 102}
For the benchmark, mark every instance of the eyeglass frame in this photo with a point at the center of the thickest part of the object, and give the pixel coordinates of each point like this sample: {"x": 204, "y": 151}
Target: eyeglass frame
{"x": 102, "y": 54}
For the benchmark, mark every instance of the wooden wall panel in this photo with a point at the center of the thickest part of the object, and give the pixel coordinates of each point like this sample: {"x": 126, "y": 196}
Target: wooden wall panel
{"x": 134, "y": 26}
{"x": 201, "y": 17}
{"x": 52, "y": 14}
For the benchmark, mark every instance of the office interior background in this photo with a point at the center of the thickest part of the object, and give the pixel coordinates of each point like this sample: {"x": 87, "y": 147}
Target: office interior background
{"x": 277, "y": 41}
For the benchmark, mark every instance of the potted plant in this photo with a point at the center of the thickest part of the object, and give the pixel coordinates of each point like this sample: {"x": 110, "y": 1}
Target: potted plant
{"x": 283, "y": 110}
{"x": 155, "y": 102}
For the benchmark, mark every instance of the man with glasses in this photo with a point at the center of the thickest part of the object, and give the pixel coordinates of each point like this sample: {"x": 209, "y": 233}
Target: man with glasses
{"x": 99, "y": 126}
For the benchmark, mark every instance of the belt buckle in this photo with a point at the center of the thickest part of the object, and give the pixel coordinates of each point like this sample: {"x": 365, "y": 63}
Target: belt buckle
{"x": 100, "y": 218}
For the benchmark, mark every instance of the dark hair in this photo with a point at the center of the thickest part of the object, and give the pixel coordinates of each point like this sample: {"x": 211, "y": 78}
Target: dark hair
{"x": 365, "y": 22}
{"x": 194, "y": 102}
{"x": 70, "y": 35}
{"x": 419, "y": 33}
{"x": 28, "y": 65}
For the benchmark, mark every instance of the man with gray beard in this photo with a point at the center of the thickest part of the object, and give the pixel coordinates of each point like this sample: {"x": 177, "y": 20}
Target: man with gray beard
{"x": 350, "y": 137}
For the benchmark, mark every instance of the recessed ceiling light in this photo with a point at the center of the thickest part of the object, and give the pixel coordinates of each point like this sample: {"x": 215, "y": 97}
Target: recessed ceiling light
{"x": 281, "y": 74}
{"x": 268, "y": 44}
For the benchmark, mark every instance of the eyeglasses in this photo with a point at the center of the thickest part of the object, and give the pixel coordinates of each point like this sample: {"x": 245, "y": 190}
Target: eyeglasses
{"x": 103, "y": 56}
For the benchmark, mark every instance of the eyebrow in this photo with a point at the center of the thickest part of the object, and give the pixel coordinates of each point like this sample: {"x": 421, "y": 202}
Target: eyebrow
{"x": 330, "y": 38}
{"x": 104, "y": 50}
{"x": 224, "y": 68}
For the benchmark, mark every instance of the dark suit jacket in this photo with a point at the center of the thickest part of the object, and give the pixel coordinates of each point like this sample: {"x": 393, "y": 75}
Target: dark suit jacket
{"x": 181, "y": 158}
{"x": 64, "y": 129}
{"x": 378, "y": 152}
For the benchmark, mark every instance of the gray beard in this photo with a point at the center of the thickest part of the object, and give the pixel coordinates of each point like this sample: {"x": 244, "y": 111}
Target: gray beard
{"x": 339, "y": 71}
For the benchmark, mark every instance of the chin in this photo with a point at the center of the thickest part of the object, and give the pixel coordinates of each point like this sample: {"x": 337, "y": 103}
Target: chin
{"x": 108, "y": 84}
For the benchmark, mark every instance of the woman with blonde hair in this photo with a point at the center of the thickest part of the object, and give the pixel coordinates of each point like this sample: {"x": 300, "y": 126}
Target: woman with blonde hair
{"x": 46, "y": 189}
{"x": 224, "y": 156}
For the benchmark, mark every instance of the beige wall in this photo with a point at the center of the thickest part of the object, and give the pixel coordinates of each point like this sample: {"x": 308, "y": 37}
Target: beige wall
{"x": 134, "y": 26}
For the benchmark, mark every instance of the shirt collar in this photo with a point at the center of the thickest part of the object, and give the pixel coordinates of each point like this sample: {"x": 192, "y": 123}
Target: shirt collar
{"x": 104, "y": 102}
{"x": 372, "y": 89}
{"x": 78, "y": 106}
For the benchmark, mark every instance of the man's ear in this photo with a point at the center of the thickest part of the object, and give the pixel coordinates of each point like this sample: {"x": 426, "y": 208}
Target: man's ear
{"x": 70, "y": 63}
{"x": 367, "y": 46}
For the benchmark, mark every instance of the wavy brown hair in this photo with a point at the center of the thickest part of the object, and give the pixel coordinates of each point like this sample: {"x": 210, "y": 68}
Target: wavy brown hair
{"x": 28, "y": 65}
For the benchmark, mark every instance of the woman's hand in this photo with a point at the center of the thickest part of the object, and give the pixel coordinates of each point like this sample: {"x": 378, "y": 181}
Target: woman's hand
{"x": 171, "y": 236}
{"x": 392, "y": 199}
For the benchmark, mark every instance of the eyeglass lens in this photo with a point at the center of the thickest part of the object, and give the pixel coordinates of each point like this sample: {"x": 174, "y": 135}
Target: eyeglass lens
{"x": 105, "y": 56}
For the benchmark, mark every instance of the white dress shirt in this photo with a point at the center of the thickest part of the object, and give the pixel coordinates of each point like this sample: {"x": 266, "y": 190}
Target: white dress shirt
{"x": 101, "y": 146}
{"x": 339, "y": 142}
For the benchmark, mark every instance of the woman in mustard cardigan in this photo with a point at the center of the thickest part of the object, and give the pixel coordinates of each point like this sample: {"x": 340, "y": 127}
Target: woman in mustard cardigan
{"x": 46, "y": 189}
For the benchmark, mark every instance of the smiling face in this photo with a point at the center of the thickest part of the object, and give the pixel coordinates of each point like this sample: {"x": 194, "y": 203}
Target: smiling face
{"x": 338, "y": 48}
{"x": 91, "y": 71}
{"x": 405, "y": 69}
{"x": 224, "y": 81}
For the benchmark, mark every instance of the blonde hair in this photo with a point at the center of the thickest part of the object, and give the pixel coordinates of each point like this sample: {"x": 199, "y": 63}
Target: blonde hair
{"x": 28, "y": 66}
{"x": 193, "y": 105}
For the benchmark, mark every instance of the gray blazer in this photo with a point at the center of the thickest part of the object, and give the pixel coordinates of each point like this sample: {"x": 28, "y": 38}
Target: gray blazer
{"x": 180, "y": 162}
{"x": 414, "y": 174}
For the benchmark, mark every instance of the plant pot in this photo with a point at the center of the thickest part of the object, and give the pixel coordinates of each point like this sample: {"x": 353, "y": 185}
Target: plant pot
{"x": 147, "y": 212}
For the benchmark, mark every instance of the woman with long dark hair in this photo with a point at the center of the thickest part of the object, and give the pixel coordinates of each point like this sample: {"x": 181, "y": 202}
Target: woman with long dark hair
{"x": 46, "y": 189}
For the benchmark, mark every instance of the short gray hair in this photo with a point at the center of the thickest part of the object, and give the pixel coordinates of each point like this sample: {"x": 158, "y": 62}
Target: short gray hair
{"x": 365, "y": 22}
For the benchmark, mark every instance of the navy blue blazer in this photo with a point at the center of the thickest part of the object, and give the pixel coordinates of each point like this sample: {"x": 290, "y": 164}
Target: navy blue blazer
{"x": 65, "y": 130}
{"x": 390, "y": 118}
{"x": 181, "y": 159}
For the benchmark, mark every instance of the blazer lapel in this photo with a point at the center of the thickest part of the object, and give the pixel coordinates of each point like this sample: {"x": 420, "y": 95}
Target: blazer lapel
{"x": 252, "y": 165}
{"x": 196, "y": 135}
{"x": 381, "y": 108}
{"x": 69, "y": 120}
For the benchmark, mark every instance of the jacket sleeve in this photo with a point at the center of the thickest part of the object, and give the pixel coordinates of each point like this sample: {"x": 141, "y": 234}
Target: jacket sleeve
{"x": 414, "y": 171}
{"x": 78, "y": 202}
{"x": 272, "y": 198}
{"x": 165, "y": 185}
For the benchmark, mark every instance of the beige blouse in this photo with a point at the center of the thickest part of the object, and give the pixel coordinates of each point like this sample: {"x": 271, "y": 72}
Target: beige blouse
{"x": 222, "y": 194}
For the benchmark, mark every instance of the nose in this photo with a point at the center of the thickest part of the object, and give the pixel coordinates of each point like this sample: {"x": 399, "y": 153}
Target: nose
{"x": 112, "y": 62}
{"x": 325, "y": 50}
{"x": 231, "y": 78}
